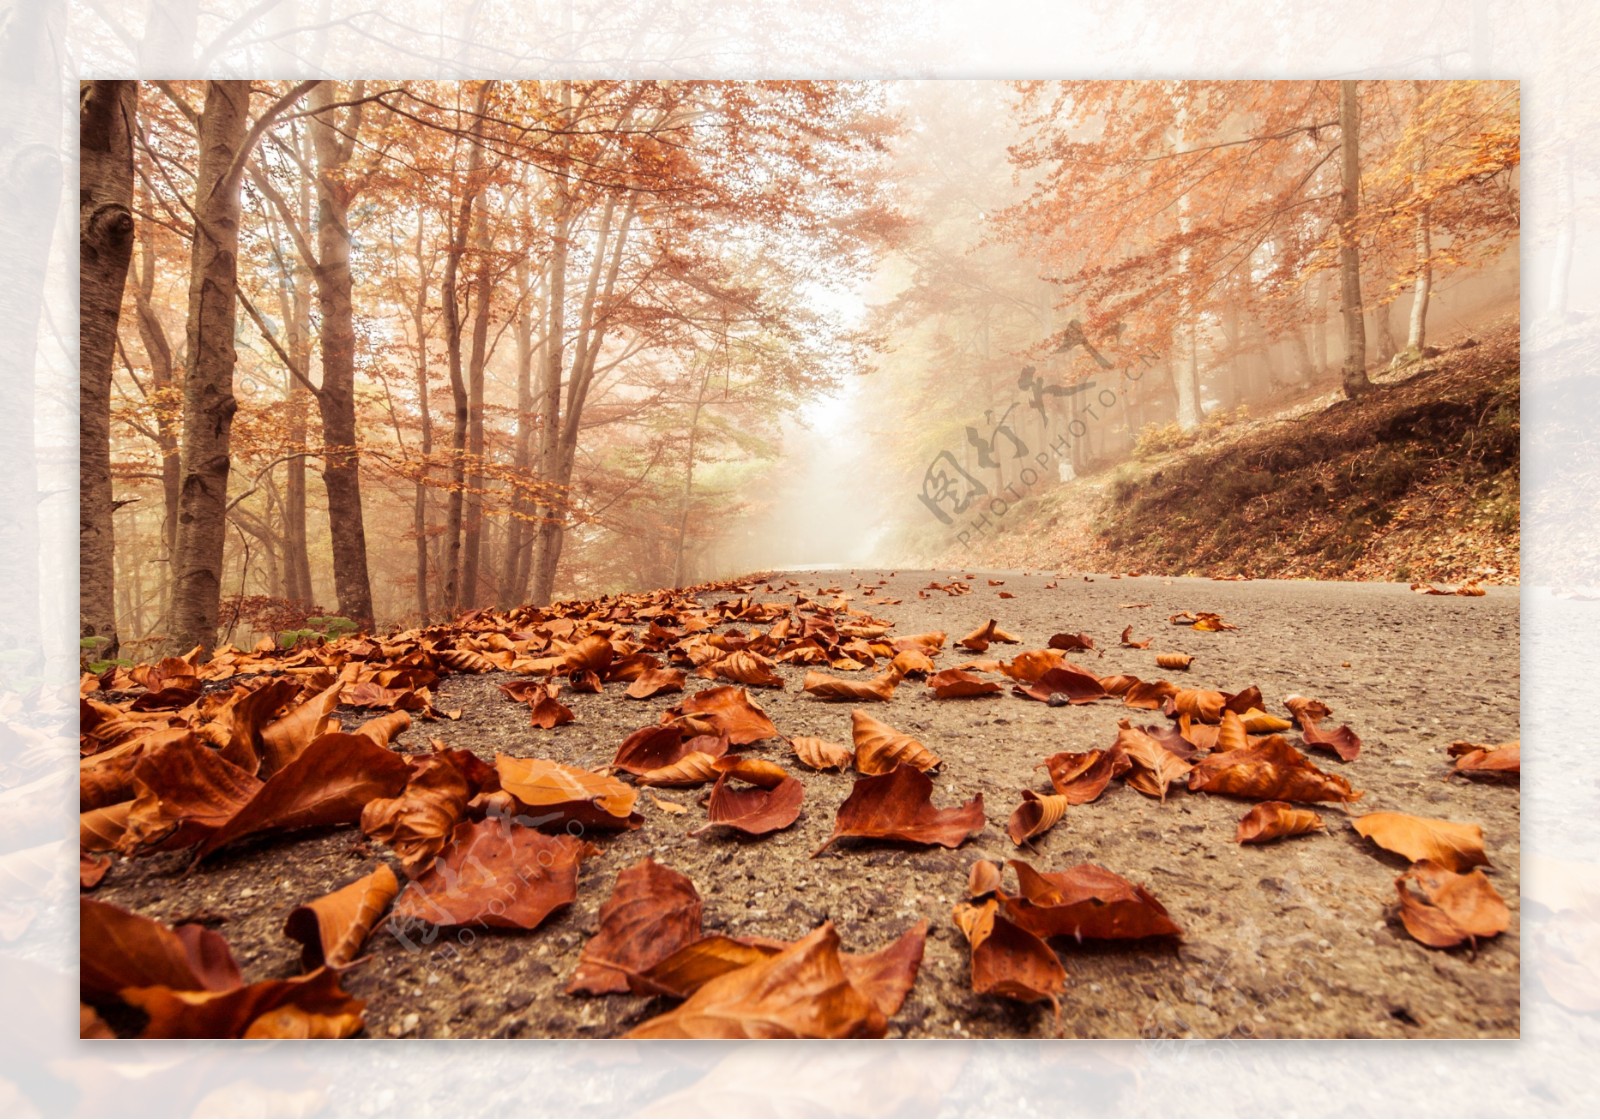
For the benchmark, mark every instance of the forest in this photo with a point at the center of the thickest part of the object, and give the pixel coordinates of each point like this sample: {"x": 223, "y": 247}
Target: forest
{"x": 362, "y": 354}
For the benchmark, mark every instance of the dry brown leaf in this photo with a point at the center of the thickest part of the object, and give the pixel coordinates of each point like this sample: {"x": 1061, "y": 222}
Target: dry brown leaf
{"x": 912, "y": 663}
{"x": 310, "y": 1006}
{"x": 898, "y": 806}
{"x": 801, "y": 992}
{"x": 557, "y": 795}
{"x": 958, "y": 683}
{"x": 1453, "y": 907}
{"x": 825, "y": 687}
{"x": 1072, "y": 642}
{"x": 1076, "y": 684}
{"x": 118, "y": 949}
{"x": 747, "y": 667}
{"x": 1128, "y": 641}
{"x": 1270, "y": 770}
{"x": 1085, "y": 901}
{"x": 1152, "y": 765}
{"x": 880, "y": 748}
{"x": 495, "y": 873}
{"x": 653, "y": 682}
{"x": 333, "y": 928}
{"x": 693, "y": 769}
{"x": 1037, "y": 814}
{"x": 1455, "y": 847}
{"x": 1007, "y": 960}
{"x": 1273, "y": 820}
{"x": 416, "y": 824}
{"x": 653, "y": 912}
{"x": 1477, "y": 758}
{"x": 666, "y": 806}
{"x": 819, "y": 754}
{"x": 1174, "y": 660}
{"x": 1308, "y": 713}
{"x": 727, "y": 710}
{"x": 753, "y": 810}
{"x": 983, "y": 879}
{"x": 1081, "y": 778}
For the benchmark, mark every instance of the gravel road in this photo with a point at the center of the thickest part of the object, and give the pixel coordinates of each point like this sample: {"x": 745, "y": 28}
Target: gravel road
{"x": 1295, "y": 939}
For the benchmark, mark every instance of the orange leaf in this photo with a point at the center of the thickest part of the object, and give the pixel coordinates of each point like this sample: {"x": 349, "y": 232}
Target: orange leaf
{"x": 652, "y": 682}
{"x": 1084, "y": 901}
{"x": 1456, "y": 847}
{"x": 753, "y": 810}
{"x": 801, "y": 992}
{"x": 334, "y": 927}
{"x": 1271, "y": 770}
{"x": 653, "y": 911}
{"x": 1272, "y": 820}
{"x": 1035, "y": 815}
{"x": 118, "y": 949}
{"x": 1006, "y": 959}
{"x": 1453, "y": 907}
{"x": 958, "y": 683}
{"x": 832, "y": 688}
{"x": 880, "y": 748}
{"x": 495, "y": 873}
{"x": 898, "y": 806}
{"x": 560, "y": 794}
{"x": 819, "y": 754}
{"x": 722, "y": 711}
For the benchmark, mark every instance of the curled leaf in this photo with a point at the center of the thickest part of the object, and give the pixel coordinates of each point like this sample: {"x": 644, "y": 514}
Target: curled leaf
{"x": 983, "y": 879}
{"x": 819, "y": 754}
{"x": 556, "y": 795}
{"x": 954, "y": 683}
{"x": 1473, "y": 758}
{"x": 1453, "y": 907}
{"x": 1270, "y": 770}
{"x": 653, "y": 912}
{"x": 1006, "y": 959}
{"x": 833, "y": 688}
{"x": 880, "y": 748}
{"x": 722, "y": 711}
{"x": 1174, "y": 660}
{"x": 1081, "y": 778}
{"x": 653, "y": 682}
{"x": 333, "y": 928}
{"x": 693, "y": 769}
{"x": 756, "y": 771}
{"x": 1273, "y": 820}
{"x": 1036, "y": 814}
{"x": 747, "y": 667}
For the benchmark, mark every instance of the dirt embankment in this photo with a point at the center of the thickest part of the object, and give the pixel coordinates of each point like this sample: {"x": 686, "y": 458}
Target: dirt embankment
{"x": 1416, "y": 480}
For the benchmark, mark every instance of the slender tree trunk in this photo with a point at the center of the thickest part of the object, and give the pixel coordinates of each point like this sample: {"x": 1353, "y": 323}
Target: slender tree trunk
{"x": 165, "y": 395}
{"x": 1354, "y": 376}
{"x": 473, "y": 513}
{"x": 208, "y": 400}
{"x": 454, "y": 600}
{"x": 341, "y": 456}
{"x": 419, "y": 313}
{"x": 552, "y": 501}
{"x": 1383, "y": 327}
{"x": 1422, "y": 291}
{"x": 105, "y": 247}
{"x": 297, "y": 550}
{"x": 679, "y": 567}
{"x": 514, "y": 581}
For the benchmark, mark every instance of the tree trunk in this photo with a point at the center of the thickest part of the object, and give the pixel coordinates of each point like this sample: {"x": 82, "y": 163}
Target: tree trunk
{"x": 547, "y": 532}
{"x": 1417, "y": 335}
{"x": 419, "y": 311}
{"x": 514, "y": 581}
{"x": 208, "y": 400}
{"x": 1383, "y": 327}
{"x": 679, "y": 568}
{"x": 297, "y": 299}
{"x": 341, "y": 457}
{"x": 458, "y": 386}
{"x": 473, "y": 513}
{"x": 1355, "y": 329}
{"x": 105, "y": 247}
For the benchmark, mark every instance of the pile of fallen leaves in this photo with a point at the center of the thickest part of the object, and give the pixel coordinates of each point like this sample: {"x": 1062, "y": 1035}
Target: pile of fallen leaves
{"x": 190, "y": 756}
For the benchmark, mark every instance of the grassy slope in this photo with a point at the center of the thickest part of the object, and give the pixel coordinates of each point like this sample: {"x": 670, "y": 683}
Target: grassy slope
{"x": 1417, "y": 480}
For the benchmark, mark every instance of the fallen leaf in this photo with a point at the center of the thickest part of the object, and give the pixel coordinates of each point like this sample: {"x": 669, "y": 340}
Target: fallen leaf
{"x": 1477, "y": 758}
{"x": 666, "y": 806}
{"x": 333, "y": 928}
{"x": 1308, "y": 713}
{"x": 801, "y": 992}
{"x": 416, "y": 824}
{"x": 1081, "y": 778}
{"x": 118, "y": 950}
{"x": 983, "y": 879}
{"x": 1084, "y": 901}
{"x": 384, "y": 729}
{"x": 662, "y": 745}
{"x": 756, "y": 771}
{"x": 1453, "y": 907}
{"x": 1078, "y": 685}
{"x": 1270, "y": 770}
{"x": 1036, "y": 814}
{"x": 329, "y": 782}
{"x": 898, "y": 806}
{"x": 183, "y": 792}
{"x": 653, "y": 912}
{"x": 1455, "y": 847}
{"x": 284, "y": 739}
{"x": 958, "y": 683}
{"x": 494, "y": 873}
{"x": 1071, "y": 642}
{"x": 559, "y": 795}
{"x": 819, "y": 754}
{"x": 887, "y": 976}
{"x": 751, "y": 809}
{"x": 880, "y": 748}
{"x": 653, "y": 682}
{"x": 692, "y": 967}
{"x": 1127, "y": 635}
{"x": 728, "y": 711}
{"x": 747, "y": 667}
{"x": 546, "y": 712}
{"x": 91, "y": 870}
{"x": 693, "y": 769}
{"x": 1148, "y": 694}
{"x": 912, "y": 663}
{"x": 1152, "y": 767}
{"x": 832, "y": 688}
{"x": 1273, "y": 820}
{"x": 1174, "y": 660}
{"x": 310, "y": 1006}
{"x": 1007, "y": 960}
